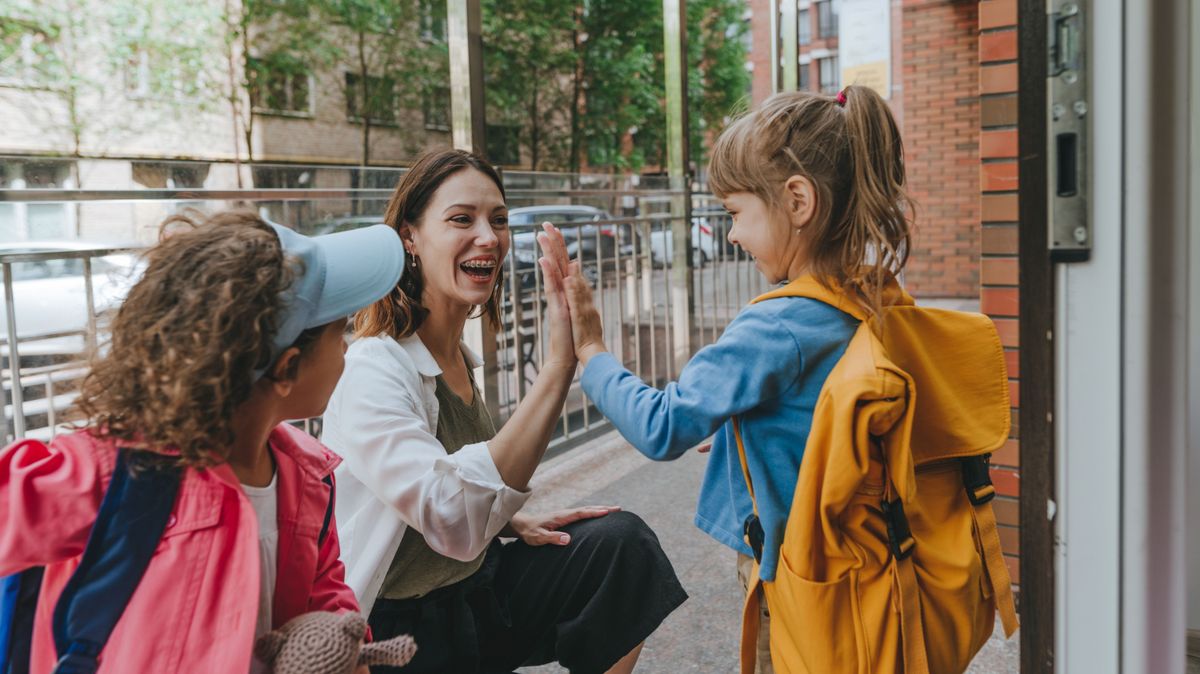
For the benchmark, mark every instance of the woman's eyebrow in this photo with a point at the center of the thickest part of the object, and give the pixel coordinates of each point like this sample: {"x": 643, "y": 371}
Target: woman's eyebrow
{"x": 469, "y": 207}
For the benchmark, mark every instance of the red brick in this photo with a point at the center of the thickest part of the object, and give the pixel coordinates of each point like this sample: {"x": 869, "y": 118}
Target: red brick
{"x": 998, "y": 271}
{"x": 998, "y": 79}
{"x": 1014, "y": 393}
{"x": 1010, "y": 331}
{"x": 999, "y": 207}
{"x": 1008, "y": 511}
{"x": 1007, "y": 481}
{"x": 999, "y": 240}
{"x": 1008, "y": 455}
{"x": 1010, "y": 540}
{"x": 998, "y": 144}
{"x": 1000, "y": 301}
{"x": 1014, "y": 568}
{"x": 1012, "y": 361}
{"x": 998, "y": 176}
{"x": 1000, "y": 46}
{"x": 997, "y": 14}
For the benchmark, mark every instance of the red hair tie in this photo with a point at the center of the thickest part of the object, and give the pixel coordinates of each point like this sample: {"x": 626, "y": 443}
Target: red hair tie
{"x": 841, "y": 98}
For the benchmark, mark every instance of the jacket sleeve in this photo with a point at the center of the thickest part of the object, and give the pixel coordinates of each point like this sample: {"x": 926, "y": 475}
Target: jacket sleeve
{"x": 49, "y": 497}
{"x": 330, "y": 592}
{"x": 457, "y": 501}
{"x": 756, "y": 359}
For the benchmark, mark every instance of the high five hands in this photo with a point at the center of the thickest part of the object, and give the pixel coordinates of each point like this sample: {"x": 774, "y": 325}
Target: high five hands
{"x": 569, "y": 300}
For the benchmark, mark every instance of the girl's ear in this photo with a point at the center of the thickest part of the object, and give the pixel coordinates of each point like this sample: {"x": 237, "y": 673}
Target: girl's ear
{"x": 800, "y": 202}
{"x": 283, "y": 372}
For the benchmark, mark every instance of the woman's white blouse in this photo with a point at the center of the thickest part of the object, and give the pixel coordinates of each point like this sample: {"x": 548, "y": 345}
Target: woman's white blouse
{"x": 382, "y": 420}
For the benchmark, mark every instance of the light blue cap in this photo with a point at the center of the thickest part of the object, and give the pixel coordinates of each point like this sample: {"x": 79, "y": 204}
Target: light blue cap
{"x": 336, "y": 275}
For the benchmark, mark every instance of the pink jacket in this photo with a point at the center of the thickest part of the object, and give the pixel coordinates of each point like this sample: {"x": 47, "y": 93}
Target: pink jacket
{"x": 195, "y": 609}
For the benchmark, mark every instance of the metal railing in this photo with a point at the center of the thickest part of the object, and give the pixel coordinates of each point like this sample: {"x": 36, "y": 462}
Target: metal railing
{"x": 628, "y": 260}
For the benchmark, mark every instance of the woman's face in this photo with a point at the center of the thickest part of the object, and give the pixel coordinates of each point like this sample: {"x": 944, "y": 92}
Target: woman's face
{"x": 461, "y": 240}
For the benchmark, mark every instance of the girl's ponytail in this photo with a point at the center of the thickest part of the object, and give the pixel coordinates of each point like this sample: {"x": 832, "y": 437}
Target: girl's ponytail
{"x": 878, "y": 212}
{"x": 850, "y": 148}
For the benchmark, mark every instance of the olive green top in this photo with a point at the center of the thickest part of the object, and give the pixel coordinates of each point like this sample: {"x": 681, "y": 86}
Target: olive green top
{"x": 416, "y": 569}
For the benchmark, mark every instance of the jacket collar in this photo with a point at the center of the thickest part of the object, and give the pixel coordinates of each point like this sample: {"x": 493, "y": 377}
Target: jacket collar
{"x": 423, "y": 359}
{"x": 835, "y": 296}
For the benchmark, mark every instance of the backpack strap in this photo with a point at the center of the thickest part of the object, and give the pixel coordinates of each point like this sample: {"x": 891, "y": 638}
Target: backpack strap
{"x": 906, "y": 593}
{"x": 18, "y": 604}
{"x": 980, "y": 492}
{"x": 128, "y": 527}
{"x": 328, "y": 479}
{"x": 753, "y": 534}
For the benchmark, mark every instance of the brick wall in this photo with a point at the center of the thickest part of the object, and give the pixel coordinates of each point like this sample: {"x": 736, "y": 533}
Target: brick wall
{"x": 939, "y": 79}
{"x": 760, "y": 50}
{"x": 998, "y": 269}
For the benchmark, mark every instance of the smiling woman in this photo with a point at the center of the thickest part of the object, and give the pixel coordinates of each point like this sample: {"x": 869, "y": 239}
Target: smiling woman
{"x": 428, "y": 483}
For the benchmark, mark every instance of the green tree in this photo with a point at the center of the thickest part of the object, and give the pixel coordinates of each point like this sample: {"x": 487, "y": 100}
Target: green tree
{"x": 529, "y": 58}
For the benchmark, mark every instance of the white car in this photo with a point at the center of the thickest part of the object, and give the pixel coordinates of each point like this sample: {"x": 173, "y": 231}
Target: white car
{"x": 49, "y": 296}
{"x": 704, "y": 243}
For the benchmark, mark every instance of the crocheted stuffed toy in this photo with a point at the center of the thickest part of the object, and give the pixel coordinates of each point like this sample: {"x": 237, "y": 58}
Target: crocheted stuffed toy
{"x": 329, "y": 643}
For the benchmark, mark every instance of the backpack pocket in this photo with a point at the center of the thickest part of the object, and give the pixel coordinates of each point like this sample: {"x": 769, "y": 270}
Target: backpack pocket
{"x": 822, "y": 620}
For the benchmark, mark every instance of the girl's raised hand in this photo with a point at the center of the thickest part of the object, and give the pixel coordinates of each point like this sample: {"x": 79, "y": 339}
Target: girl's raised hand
{"x": 586, "y": 326}
{"x": 555, "y": 265}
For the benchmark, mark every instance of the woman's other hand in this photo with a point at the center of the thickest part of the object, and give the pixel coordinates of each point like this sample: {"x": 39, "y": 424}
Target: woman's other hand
{"x": 555, "y": 265}
{"x": 544, "y": 529}
{"x": 586, "y": 326}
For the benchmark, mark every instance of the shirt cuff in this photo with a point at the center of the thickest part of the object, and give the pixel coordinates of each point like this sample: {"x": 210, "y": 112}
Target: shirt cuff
{"x": 600, "y": 370}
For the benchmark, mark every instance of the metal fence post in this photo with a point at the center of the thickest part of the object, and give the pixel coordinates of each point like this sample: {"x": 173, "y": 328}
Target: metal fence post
{"x": 681, "y": 299}
{"x": 468, "y": 127}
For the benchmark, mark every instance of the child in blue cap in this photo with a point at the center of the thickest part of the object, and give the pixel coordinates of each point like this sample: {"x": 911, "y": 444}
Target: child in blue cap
{"x": 236, "y": 326}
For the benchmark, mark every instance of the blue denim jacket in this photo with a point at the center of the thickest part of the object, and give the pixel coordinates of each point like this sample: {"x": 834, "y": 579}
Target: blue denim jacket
{"x": 767, "y": 368}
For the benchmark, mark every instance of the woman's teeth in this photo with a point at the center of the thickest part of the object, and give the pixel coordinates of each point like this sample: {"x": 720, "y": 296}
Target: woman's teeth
{"x": 481, "y": 269}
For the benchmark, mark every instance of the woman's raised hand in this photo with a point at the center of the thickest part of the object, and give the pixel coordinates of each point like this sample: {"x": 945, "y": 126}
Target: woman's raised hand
{"x": 556, "y": 265}
{"x": 586, "y": 326}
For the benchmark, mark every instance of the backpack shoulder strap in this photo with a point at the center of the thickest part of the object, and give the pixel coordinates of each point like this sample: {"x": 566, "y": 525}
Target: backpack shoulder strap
{"x": 131, "y": 520}
{"x": 328, "y": 479}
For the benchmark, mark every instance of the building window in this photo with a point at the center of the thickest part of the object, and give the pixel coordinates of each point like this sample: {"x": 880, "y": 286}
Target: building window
{"x": 279, "y": 86}
{"x": 433, "y": 20}
{"x": 827, "y": 20}
{"x": 436, "y": 107}
{"x": 26, "y": 54}
{"x": 805, "y": 76}
{"x": 804, "y": 18}
{"x": 380, "y": 104}
{"x": 829, "y": 75}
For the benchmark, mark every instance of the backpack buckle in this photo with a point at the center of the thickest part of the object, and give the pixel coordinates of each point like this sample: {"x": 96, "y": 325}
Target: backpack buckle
{"x": 752, "y": 532}
{"x": 900, "y": 539}
{"x": 978, "y": 479}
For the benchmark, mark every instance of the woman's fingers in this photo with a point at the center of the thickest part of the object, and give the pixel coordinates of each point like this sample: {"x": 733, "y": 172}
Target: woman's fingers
{"x": 554, "y": 246}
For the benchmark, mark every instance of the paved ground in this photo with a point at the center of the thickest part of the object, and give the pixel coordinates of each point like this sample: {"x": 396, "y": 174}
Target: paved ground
{"x": 702, "y": 636}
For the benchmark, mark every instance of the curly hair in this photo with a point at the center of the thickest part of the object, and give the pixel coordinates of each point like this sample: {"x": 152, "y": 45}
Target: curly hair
{"x": 186, "y": 341}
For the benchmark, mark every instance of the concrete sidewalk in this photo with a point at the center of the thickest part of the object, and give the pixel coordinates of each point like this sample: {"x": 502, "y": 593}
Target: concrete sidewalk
{"x": 702, "y": 636}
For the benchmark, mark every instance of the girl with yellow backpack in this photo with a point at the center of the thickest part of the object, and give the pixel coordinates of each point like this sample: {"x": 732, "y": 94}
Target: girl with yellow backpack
{"x": 853, "y": 428}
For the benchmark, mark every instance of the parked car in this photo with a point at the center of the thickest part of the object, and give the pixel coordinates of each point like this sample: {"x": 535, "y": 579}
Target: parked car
{"x": 581, "y": 239}
{"x": 709, "y": 233}
{"x": 50, "y": 302}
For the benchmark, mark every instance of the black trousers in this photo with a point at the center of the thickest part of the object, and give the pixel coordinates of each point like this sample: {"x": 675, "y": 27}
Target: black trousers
{"x": 583, "y": 605}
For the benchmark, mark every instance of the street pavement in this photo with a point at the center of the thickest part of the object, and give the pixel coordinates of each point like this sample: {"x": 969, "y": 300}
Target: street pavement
{"x": 702, "y": 635}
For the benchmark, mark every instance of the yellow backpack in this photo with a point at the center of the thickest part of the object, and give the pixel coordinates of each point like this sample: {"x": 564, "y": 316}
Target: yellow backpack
{"x": 890, "y": 561}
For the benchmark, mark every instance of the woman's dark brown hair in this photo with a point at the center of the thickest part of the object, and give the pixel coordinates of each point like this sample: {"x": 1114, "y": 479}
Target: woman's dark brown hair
{"x": 186, "y": 341}
{"x": 860, "y": 235}
{"x": 401, "y": 312}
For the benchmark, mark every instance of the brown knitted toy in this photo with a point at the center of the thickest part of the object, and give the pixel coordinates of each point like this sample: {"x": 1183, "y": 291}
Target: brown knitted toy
{"x": 328, "y": 643}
